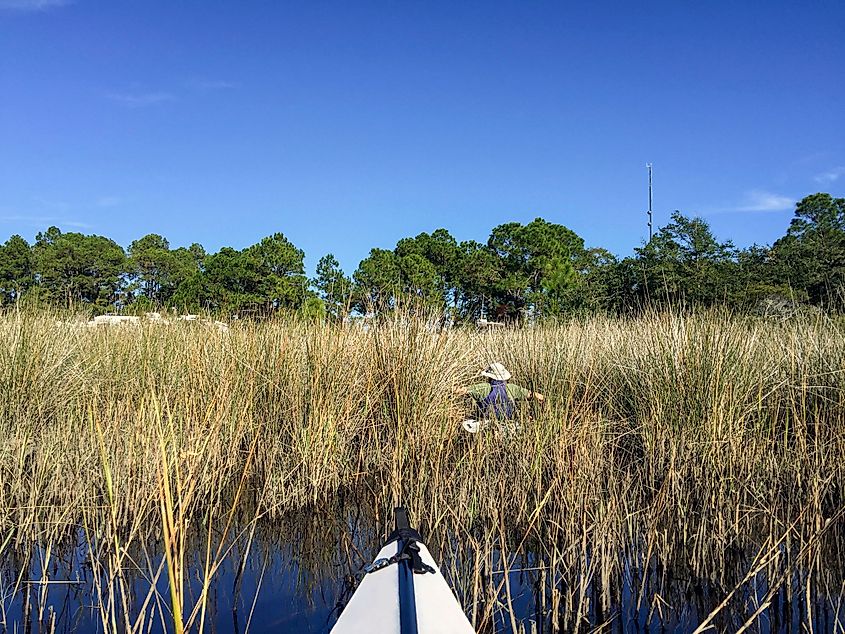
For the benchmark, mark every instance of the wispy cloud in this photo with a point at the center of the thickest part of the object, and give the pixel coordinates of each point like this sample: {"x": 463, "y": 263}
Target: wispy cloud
{"x": 138, "y": 98}
{"x": 211, "y": 84}
{"x": 42, "y": 222}
{"x": 758, "y": 200}
{"x": 754, "y": 201}
{"x": 49, "y": 204}
{"x": 141, "y": 99}
{"x": 32, "y": 5}
{"x": 42, "y": 212}
{"x": 106, "y": 202}
{"x": 830, "y": 176}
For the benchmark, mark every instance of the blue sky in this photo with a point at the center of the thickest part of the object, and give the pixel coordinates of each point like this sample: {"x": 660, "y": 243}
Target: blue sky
{"x": 348, "y": 125}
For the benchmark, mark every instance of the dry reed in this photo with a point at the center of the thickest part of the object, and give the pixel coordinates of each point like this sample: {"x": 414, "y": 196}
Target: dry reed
{"x": 668, "y": 441}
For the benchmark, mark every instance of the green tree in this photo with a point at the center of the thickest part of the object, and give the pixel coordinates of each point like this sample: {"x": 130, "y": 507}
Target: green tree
{"x": 758, "y": 280}
{"x": 280, "y": 272}
{"x": 538, "y": 265}
{"x": 157, "y": 270}
{"x": 260, "y": 279}
{"x": 197, "y": 253}
{"x": 195, "y": 293}
{"x": 334, "y": 287}
{"x": 811, "y": 256}
{"x": 685, "y": 262}
{"x": 233, "y": 281}
{"x": 74, "y": 267}
{"x": 599, "y": 284}
{"x": 558, "y": 286}
{"x": 313, "y": 309}
{"x": 514, "y": 284}
{"x": 478, "y": 271}
{"x": 184, "y": 263}
{"x": 420, "y": 279}
{"x": 439, "y": 249}
{"x": 16, "y": 276}
{"x": 378, "y": 281}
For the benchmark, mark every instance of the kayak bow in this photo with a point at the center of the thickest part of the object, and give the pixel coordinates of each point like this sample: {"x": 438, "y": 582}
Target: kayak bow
{"x": 403, "y": 592}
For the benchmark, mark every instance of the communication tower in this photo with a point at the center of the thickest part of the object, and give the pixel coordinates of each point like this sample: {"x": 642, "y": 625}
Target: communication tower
{"x": 648, "y": 165}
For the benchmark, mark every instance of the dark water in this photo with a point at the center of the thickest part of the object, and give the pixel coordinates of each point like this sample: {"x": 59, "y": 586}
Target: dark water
{"x": 296, "y": 576}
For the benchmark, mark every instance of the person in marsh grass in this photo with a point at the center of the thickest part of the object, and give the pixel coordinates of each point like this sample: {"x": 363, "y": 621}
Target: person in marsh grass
{"x": 496, "y": 398}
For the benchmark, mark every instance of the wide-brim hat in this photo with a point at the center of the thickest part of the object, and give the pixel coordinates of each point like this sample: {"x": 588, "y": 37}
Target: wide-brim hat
{"x": 497, "y": 372}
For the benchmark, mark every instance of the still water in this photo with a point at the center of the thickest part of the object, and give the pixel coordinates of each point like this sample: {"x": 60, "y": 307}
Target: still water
{"x": 296, "y": 575}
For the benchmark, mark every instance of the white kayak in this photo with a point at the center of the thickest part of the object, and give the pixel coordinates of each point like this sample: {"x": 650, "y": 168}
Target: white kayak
{"x": 403, "y": 592}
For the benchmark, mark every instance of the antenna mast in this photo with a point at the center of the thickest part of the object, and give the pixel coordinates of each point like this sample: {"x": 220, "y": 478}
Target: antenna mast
{"x": 648, "y": 165}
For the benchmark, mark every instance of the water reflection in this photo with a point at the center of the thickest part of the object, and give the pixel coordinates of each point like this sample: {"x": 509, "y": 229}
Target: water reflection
{"x": 295, "y": 574}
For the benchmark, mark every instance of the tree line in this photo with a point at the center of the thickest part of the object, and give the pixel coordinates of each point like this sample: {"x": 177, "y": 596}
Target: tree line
{"x": 537, "y": 270}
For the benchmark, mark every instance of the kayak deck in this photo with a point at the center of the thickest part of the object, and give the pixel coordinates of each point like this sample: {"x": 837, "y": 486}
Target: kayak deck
{"x": 375, "y": 605}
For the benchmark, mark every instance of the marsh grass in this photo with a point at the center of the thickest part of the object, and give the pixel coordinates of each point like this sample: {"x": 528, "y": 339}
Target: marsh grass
{"x": 670, "y": 442}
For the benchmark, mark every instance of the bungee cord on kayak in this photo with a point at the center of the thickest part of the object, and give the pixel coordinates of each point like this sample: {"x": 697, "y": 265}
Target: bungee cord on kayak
{"x": 411, "y": 597}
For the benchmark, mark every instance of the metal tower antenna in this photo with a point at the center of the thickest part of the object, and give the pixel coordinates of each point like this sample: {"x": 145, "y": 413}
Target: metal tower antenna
{"x": 648, "y": 165}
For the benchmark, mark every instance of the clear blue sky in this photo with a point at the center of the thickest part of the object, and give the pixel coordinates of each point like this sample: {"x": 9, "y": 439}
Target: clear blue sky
{"x": 349, "y": 125}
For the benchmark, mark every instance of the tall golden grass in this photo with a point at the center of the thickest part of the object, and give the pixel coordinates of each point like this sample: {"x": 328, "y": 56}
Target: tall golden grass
{"x": 668, "y": 440}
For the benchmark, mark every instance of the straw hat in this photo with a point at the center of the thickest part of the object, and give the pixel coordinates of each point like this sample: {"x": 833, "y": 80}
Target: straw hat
{"x": 497, "y": 372}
